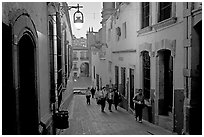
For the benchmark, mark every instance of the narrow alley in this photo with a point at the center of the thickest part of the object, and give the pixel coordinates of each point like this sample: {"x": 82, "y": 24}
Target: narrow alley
{"x": 144, "y": 56}
{"x": 89, "y": 120}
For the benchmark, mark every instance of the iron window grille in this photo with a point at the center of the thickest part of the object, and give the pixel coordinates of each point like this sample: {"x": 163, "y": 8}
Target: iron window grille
{"x": 146, "y": 74}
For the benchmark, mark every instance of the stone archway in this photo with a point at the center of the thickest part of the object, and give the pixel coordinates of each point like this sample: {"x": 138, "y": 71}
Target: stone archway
{"x": 27, "y": 96}
{"x": 165, "y": 82}
{"x": 164, "y": 88}
{"x": 24, "y": 75}
{"x": 84, "y": 69}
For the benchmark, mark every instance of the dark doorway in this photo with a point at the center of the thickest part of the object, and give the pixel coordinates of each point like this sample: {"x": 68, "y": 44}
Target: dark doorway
{"x": 27, "y": 95}
{"x": 8, "y": 92}
{"x": 165, "y": 69}
{"x": 195, "y": 118}
{"x": 123, "y": 81}
{"x": 116, "y": 77}
{"x": 131, "y": 88}
{"x": 97, "y": 82}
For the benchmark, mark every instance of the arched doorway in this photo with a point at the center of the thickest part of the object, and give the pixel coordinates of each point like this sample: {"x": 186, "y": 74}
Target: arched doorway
{"x": 8, "y": 91}
{"x": 164, "y": 89}
{"x": 24, "y": 74}
{"x": 84, "y": 69}
{"x": 27, "y": 94}
{"x": 165, "y": 82}
{"x": 145, "y": 83}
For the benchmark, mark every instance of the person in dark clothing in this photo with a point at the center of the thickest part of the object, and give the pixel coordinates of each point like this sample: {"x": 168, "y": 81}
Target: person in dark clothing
{"x": 110, "y": 96}
{"x": 88, "y": 95}
{"x": 103, "y": 99}
{"x": 116, "y": 98}
{"x": 139, "y": 104}
{"x": 93, "y": 92}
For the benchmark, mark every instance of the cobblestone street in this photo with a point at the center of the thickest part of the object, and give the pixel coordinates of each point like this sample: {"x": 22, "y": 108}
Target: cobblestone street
{"x": 89, "y": 120}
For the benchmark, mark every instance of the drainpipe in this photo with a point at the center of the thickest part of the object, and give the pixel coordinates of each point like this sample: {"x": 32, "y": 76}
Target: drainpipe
{"x": 173, "y": 102}
{"x": 55, "y": 60}
{"x": 186, "y": 71}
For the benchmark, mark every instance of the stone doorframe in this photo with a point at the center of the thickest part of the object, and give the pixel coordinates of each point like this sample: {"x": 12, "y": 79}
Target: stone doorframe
{"x": 144, "y": 47}
{"x": 22, "y": 24}
{"x": 164, "y": 44}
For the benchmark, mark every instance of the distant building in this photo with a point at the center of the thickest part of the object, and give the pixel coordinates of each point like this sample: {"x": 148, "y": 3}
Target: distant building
{"x": 80, "y": 54}
{"x": 35, "y": 65}
{"x": 98, "y": 58}
{"x": 152, "y": 46}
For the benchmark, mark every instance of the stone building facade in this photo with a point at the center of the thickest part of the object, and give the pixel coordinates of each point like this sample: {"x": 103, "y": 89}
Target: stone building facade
{"x": 33, "y": 50}
{"x": 154, "y": 46}
{"x": 80, "y": 53}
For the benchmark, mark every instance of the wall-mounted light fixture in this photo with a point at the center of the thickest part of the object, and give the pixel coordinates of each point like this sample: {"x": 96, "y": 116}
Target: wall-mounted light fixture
{"x": 78, "y": 17}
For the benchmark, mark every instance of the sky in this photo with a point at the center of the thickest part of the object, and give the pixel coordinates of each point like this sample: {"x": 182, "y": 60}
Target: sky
{"x": 92, "y": 17}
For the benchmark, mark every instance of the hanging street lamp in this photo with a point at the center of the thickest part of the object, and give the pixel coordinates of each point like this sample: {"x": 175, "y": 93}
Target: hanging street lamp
{"x": 78, "y": 18}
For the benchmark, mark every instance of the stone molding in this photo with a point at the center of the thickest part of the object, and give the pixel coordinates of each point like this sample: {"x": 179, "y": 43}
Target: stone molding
{"x": 145, "y": 47}
{"x": 124, "y": 51}
{"x": 166, "y": 44}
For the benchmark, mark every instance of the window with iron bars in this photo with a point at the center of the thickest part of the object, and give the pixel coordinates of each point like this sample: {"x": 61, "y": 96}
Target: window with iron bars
{"x": 146, "y": 74}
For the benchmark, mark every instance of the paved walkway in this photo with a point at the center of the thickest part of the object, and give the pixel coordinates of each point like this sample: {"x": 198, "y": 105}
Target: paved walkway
{"x": 89, "y": 120}
{"x": 82, "y": 82}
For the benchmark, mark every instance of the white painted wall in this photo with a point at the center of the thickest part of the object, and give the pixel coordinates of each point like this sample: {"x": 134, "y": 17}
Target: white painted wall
{"x": 131, "y": 15}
